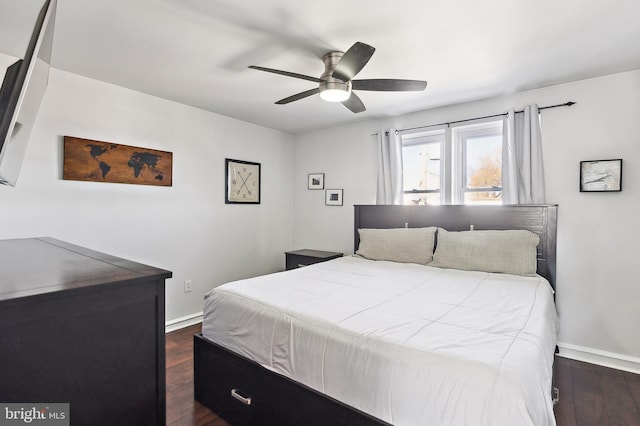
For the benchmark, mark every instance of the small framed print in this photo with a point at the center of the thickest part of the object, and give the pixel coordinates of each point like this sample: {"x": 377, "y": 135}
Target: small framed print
{"x": 316, "y": 181}
{"x": 333, "y": 197}
{"x": 242, "y": 182}
{"x": 601, "y": 176}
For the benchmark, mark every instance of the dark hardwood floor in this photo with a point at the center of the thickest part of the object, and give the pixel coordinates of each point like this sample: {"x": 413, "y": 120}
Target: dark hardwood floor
{"x": 594, "y": 395}
{"x": 590, "y": 395}
{"x": 182, "y": 409}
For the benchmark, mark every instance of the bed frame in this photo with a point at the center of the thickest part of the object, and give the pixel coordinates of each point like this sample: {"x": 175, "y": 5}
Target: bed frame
{"x": 243, "y": 392}
{"x": 539, "y": 219}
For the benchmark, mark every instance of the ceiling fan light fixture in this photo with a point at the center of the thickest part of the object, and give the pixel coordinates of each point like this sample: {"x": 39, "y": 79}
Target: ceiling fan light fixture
{"x": 335, "y": 91}
{"x": 335, "y": 95}
{"x": 336, "y": 83}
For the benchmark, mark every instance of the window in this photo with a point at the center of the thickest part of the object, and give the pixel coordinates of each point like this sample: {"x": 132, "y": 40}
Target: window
{"x": 422, "y": 167}
{"x": 454, "y": 165}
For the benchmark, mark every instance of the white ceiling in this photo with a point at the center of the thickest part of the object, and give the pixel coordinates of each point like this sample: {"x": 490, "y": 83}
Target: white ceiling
{"x": 196, "y": 52}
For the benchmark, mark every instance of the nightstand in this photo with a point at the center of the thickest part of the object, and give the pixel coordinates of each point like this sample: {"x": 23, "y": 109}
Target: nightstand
{"x": 298, "y": 258}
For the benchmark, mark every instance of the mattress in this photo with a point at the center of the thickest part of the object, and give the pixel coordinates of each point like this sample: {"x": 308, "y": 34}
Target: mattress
{"x": 407, "y": 343}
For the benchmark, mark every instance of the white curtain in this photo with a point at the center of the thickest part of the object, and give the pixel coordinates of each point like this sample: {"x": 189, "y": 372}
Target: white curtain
{"x": 522, "y": 168}
{"x": 389, "y": 167}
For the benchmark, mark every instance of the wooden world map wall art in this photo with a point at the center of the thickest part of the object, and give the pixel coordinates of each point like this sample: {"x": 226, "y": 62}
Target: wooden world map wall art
{"x": 96, "y": 161}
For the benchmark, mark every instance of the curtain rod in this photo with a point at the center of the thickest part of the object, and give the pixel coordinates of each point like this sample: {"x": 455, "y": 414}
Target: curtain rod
{"x": 448, "y": 123}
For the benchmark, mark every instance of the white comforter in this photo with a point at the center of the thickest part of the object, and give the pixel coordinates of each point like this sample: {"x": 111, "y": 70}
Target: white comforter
{"x": 409, "y": 344}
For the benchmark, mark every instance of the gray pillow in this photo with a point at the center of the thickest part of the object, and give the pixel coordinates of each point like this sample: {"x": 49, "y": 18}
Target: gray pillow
{"x": 408, "y": 245}
{"x": 508, "y": 252}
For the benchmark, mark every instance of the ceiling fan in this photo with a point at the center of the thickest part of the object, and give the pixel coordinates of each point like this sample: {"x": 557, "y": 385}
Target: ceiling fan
{"x": 336, "y": 83}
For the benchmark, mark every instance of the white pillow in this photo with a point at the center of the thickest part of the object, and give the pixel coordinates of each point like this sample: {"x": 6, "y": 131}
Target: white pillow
{"x": 508, "y": 252}
{"x": 407, "y": 245}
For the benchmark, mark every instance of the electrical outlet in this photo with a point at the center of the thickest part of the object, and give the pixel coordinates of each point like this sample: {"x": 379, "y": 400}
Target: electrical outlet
{"x": 187, "y": 286}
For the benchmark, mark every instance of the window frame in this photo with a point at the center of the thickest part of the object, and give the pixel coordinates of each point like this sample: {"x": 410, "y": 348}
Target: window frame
{"x": 436, "y": 135}
{"x": 453, "y": 155}
{"x": 460, "y": 136}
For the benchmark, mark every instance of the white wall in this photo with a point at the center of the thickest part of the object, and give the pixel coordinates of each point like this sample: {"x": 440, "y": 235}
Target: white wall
{"x": 598, "y": 288}
{"x": 185, "y": 228}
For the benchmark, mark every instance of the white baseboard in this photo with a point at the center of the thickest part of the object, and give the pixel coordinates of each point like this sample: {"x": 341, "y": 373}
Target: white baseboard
{"x": 599, "y": 357}
{"x": 182, "y": 322}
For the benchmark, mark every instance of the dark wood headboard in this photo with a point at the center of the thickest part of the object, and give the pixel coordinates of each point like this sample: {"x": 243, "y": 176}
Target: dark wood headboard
{"x": 540, "y": 219}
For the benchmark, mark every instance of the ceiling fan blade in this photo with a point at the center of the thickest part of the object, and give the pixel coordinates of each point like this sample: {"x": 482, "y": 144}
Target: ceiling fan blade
{"x": 388, "y": 85}
{"x": 354, "y": 103}
{"x": 286, "y": 73}
{"x": 353, "y": 61}
{"x": 298, "y": 96}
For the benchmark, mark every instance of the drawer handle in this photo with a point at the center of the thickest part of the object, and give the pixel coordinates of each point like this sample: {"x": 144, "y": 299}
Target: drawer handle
{"x": 246, "y": 400}
{"x": 555, "y": 395}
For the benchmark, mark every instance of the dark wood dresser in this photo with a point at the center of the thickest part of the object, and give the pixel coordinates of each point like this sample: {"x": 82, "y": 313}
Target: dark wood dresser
{"x": 82, "y": 327}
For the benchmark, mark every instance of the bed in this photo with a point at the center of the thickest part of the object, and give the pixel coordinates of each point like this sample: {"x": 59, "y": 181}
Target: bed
{"x": 374, "y": 339}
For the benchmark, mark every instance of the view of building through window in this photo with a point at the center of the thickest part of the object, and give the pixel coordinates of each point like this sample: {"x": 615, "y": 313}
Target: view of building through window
{"x": 422, "y": 173}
